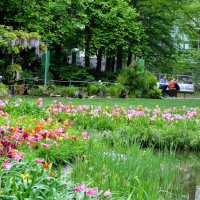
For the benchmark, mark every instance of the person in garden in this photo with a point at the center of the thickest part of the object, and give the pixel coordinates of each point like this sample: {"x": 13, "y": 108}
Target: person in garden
{"x": 173, "y": 84}
{"x": 173, "y": 87}
{"x": 163, "y": 84}
{"x": 176, "y": 84}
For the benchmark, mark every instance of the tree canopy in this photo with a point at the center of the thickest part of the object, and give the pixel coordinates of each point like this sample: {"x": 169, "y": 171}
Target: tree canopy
{"x": 117, "y": 30}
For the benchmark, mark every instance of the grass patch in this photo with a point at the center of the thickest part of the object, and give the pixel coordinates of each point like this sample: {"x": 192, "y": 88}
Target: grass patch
{"x": 134, "y": 102}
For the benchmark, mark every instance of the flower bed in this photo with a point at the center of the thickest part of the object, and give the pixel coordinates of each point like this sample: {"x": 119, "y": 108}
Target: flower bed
{"x": 49, "y": 136}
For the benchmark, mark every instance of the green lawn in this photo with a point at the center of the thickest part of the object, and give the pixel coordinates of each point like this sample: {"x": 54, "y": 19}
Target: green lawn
{"x": 149, "y": 103}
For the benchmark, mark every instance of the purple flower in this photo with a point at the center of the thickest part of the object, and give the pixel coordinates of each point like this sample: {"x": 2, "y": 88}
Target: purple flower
{"x": 25, "y": 135}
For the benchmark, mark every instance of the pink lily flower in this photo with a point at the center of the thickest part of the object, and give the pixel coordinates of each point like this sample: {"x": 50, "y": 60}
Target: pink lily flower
{"x": 80, "y": 188}
{"x": 107, "y": 194}
{"x": 46, "y": 146}
{"x": 55, "y": 144}
{"x": 6, "y": 165}
{"x": 39, "y": 161}
{"x": 91, "y": 191}
{"x": 85, "y": 135}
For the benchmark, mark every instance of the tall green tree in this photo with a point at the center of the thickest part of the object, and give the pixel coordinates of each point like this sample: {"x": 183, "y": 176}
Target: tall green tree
{"x": 109, "y": 28}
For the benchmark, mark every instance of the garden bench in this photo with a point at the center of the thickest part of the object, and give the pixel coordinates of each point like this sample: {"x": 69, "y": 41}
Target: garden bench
{"x": 185, "y": 88}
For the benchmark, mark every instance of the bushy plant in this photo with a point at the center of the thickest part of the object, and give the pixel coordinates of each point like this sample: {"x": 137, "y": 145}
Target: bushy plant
{"x": 78, "y": 73}
{"x": 13, "y": 72}
{"x": 37, "y": 91}
{"x": 93, "y": 89}
{"x": 115, "y": 90}
{"x": 131, "y": 79}
{"x": 109, "y": 76}
{"x": 137, "y": 83}
{"x": 27, "y": 74}
{"x": 61, "y": 90}
{"x": 71, "y": 91}
{"x": 29, "y": 180}
{"x": 105, "y": 89}
{"x": 3, "y": 90}
{"x": 150, "y": 82}
{"x": 19, "y": 89}
{"x": 154, "y": 93}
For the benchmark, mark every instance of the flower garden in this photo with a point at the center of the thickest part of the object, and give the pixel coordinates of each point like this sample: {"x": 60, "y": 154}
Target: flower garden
{"x": 63, "y": 151}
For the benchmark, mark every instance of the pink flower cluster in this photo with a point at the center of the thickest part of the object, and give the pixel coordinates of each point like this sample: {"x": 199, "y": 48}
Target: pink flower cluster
{"x": 92, "y": 192}
{"x": 170, "y": 114}
{"x": 39, "y": 102}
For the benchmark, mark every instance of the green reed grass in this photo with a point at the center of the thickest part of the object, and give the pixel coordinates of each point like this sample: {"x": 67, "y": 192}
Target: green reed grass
{"x": 129, "y": 170}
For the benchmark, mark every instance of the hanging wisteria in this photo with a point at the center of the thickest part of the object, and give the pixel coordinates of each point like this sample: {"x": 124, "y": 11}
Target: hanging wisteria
{"x": 13, "y": 42}
{"x": 17, "y": 40}
{"x": 24, "y": 43}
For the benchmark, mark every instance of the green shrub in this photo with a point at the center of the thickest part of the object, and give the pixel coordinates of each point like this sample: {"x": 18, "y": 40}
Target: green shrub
{"x": 78, "y": 73}
{"x": 93, "y": 89}
{"x": 150, "y": 82}
{"x": 37, "y": 91}
{"x": 138, "y": 84}
{"x": 71, "y": 91}
{"x": 105, "y": 89}
{"x": 61, "y": 90}
{"x": 154, "y": 93}
{"x": 3, "y": 90}
{"x": 28, "y": 74}
{"x": 115, "y": 90}
{"x": 109, "y": 76}
{"x": 32, "y": 181}
{"x": 13, "y": 72}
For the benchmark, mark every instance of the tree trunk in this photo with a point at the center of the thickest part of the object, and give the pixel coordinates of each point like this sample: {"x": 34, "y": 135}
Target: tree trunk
{"x": 108, "y": 69}
{"x": 87, "y": 46}
{"x": 119, "y": 58}
{"x": 130, "y": 55}
{"x": 112, "y": 63}
{"x": 99, "y": 59}
{"x": 58, "y": 53}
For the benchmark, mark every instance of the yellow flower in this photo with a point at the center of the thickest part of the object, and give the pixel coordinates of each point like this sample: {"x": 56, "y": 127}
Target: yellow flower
{"x": 26, "y": 177}
{"x": 52, "y": 173}
{"x": 60, "y": 138}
